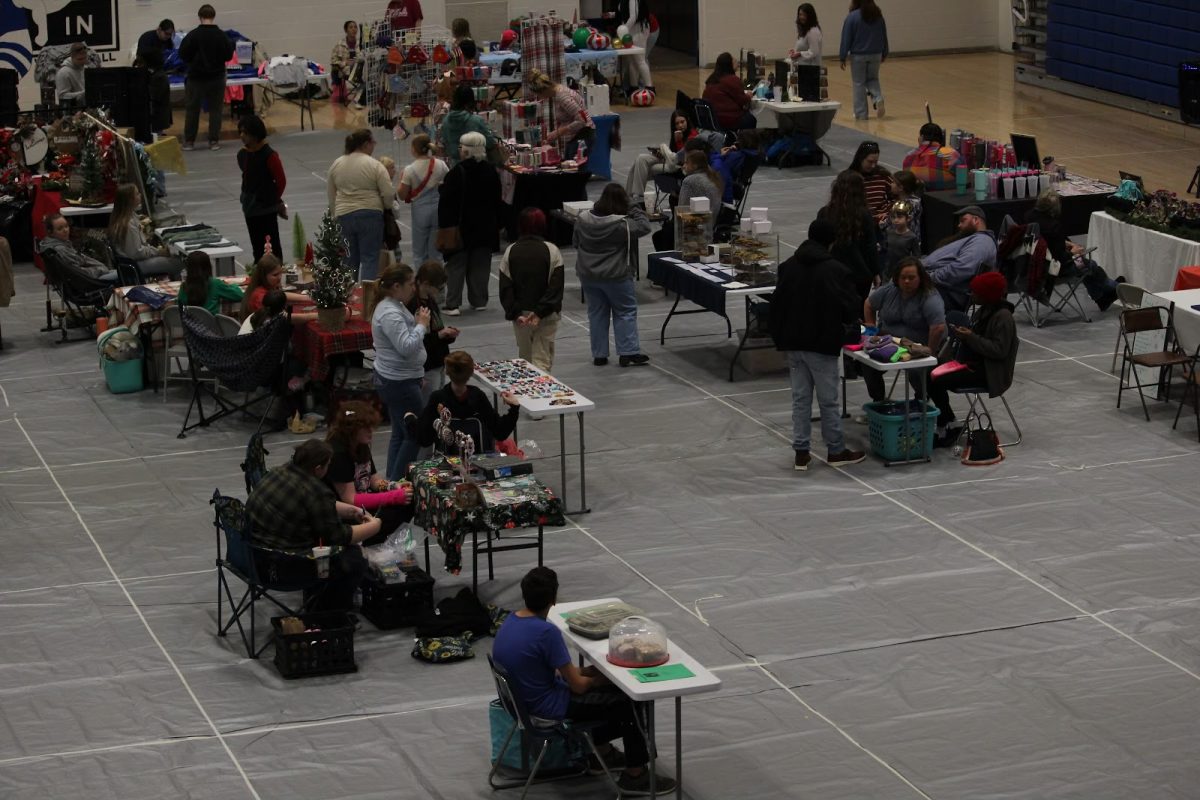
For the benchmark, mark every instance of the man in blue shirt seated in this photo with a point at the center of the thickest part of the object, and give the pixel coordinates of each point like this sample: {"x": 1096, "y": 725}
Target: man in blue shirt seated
{"x": 543, "y": 677}
{"x": 970, "y": 251}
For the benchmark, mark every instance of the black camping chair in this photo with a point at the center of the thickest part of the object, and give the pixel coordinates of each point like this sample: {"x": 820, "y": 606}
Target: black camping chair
{"x": 238, "y": 559}
{"x": 535, "y": 730}
{"x": 245, "y": 363}
{"x": 83, "y": 298}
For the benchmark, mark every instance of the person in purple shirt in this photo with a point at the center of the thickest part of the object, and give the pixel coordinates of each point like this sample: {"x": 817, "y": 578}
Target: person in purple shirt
{"x": 541, "y": 673}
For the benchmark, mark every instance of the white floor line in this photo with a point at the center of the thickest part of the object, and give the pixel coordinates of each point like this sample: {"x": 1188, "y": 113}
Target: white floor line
{"x": 1066, "y": 357}
{"x": 109, "y": 582}
{"x": 137, "y": 610}
{"x": 756, "y": 391}
{"x": 49, "y": 375}
{"x": 115, "y": 748}
{"x": 262, "y": 730}
{"x": 848, "y": 472}
{"x": 844, "y": 734}
{"x": 4, "y": 394}
{"x": 152, "y": 456}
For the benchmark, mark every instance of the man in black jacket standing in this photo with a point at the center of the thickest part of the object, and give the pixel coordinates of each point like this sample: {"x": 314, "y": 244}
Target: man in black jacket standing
{"x": 205, "y": 50}
{"x": 814, "y": 311}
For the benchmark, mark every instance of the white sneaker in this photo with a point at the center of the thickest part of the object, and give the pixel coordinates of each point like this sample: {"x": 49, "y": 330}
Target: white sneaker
{"x": 451, "y": 312}
{"x": 861, "y": 419}
{"x": 189, "y": 146}
{"x": 214, "y": 146}
{"x": 479, "y": 308}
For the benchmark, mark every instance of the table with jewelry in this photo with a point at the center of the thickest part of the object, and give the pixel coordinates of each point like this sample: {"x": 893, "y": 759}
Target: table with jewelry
{"x": 520, "y": 501}
{"x": 542, "y": 395}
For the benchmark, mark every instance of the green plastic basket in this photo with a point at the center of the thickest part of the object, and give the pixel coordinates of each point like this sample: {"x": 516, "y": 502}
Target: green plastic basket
{"x": 888, "y": 439}
{"x": 123, "y": 376}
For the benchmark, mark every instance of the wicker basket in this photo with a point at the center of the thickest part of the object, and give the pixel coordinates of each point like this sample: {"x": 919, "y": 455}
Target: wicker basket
{"x": 332, "y": 319}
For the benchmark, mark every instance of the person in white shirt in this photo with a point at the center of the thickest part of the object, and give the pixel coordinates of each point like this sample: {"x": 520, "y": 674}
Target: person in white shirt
{"x": 807, "y": 49}
{"x": 359, "y": 190}
{"x": 419, "y": 184}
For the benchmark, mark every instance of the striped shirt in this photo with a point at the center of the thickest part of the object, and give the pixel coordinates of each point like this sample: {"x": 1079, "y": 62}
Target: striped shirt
{"x": 879, "y": 201}
{"x": 570, "y": 113}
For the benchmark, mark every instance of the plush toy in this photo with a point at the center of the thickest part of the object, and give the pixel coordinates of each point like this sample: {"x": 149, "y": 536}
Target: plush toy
{"x": 642, "y": 97}
{"x": 581, "y": 36}
{"x": 598, "y": 41}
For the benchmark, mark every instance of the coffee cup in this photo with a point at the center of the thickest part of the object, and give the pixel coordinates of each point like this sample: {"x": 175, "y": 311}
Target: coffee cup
{"x": 321, "y": 554}
{"x": 648, "y": 197}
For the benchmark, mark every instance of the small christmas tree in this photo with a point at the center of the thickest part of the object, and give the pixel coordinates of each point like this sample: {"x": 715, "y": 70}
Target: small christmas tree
{"x": 332, "y": 283}
{"x": 91, "y": 170}
{"x": 299, "y": 241}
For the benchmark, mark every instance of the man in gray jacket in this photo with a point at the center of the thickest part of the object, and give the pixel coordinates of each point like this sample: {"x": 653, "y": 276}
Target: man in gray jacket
{"x": 604, "y": 239}
{"x": 952, "y": 265}
{"x": 68, "y": 81}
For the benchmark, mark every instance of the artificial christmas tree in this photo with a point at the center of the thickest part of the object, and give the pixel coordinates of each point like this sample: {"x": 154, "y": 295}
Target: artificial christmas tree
{"x": 332, "y": 282}
{"x": 91, "y": 171}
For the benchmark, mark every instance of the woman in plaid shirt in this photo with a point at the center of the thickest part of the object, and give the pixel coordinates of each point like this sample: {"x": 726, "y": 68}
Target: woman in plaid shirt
{"x": 574, "y": 123}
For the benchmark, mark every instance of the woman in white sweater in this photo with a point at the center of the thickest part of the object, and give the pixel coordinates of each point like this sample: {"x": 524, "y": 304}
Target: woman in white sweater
{"x": 359, "y": 190}
{"x": 807, "y": 49}
{"x": 125, "y": 235}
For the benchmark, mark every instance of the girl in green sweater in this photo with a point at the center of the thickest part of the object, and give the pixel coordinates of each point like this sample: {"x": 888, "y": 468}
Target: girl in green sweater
{"x": 200, "y": 288}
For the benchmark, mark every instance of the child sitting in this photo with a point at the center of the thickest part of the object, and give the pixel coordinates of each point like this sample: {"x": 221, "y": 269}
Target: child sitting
{"x": 465, "y": 402}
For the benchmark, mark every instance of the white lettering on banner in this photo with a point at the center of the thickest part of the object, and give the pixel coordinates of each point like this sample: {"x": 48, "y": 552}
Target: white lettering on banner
{"x": 83, "y": 26}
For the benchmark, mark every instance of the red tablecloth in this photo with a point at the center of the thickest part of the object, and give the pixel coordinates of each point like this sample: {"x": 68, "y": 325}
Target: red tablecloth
{"x": 1187, "y": 278}
{"x": 320, "y": 344}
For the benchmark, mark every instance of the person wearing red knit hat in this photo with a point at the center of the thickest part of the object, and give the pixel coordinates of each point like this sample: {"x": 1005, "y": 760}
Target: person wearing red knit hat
{"x": 987, "y": 351}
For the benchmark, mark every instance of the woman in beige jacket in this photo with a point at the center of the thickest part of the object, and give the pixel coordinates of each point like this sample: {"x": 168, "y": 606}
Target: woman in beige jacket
{"x": 359, "y": 190}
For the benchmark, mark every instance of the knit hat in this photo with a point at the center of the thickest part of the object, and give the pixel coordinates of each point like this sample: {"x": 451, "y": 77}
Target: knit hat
{"x": 989, "y": 287}
{"x": 507, "y": 38}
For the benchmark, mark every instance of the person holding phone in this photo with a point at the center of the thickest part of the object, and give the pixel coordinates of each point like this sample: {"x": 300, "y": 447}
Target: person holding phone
{"x": 660, "y": 159}
{"x": 399, "y": 338}
{"x": 1073, "y": 259}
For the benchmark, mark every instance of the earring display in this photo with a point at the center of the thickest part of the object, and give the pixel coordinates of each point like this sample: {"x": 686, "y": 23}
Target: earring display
{"x": 522, "y": 378}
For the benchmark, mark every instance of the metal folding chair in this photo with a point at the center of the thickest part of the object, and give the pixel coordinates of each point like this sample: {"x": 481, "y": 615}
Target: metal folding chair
{"x": 1131, "y": 297}
{"x": 977, "y": 409}
{"x": 1043, "y": 294}
{"x": 1148, "y": 319}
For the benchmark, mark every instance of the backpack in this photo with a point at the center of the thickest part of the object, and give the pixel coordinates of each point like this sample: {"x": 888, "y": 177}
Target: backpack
{"x": 795, "y": 150}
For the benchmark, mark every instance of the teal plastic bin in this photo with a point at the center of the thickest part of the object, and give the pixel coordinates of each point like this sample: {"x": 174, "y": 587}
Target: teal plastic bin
{"x": 122, "y": 377}
{"x": 888, "y": 439}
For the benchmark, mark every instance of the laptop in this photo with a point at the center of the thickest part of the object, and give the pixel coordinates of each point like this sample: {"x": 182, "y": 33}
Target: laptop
{"x": 1026, "y": 150}
{"x": 1129, "y": 176}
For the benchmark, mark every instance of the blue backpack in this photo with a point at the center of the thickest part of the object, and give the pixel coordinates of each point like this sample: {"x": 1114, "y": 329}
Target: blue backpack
{"x": 794, "y": 150}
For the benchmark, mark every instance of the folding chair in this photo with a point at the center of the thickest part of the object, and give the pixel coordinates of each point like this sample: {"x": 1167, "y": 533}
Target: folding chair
{"x": 1131, "y": 297}
{"x": 1041, "y": 287}
{"x": 238, "y": 559}
{"x": 244, "y": 364}
{"x": 1187, "y": 340}
{"x": 977, "y": 409}
{"x": 706, "y": 119}
{"x": 254, "y": 468}
{"x": 1148, "y": 319}
{"x": 533, "y": 730}
{"x": 81, "y": 296}
{"x": 227, "y": 326}
{"x": 174, "y": 347}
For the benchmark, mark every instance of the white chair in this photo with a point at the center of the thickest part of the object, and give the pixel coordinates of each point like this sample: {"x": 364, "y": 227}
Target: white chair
{"x": 173, "y": 346}
{"x": 227, "y": 326}
{"x": 1187, "y": 339}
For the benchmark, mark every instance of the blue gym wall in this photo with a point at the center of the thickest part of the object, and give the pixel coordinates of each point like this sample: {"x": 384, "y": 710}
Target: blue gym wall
{"x": 1131, "y": 47}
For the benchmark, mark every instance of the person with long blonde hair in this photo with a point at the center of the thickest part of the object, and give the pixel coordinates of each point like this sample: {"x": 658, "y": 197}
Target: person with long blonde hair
{"x": 125, "y": 234}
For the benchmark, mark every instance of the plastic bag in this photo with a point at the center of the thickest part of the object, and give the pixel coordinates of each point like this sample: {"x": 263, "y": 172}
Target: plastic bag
{"x": 530, "y": 448}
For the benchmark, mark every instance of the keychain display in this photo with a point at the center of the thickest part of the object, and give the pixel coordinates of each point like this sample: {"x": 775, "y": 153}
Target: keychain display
{"x": 525, "y": 380}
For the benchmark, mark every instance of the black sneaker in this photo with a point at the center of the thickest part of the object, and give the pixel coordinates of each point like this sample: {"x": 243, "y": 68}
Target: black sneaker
{"x": 635, "y": 361}
{"x": 410, "y": 424}
{"x": 846, "y": 458}
{"x": 614, "y": 759}
{"x": 641, "y": 784}
{"x": 599, "y": 362}
{"x": 803, "y": 459}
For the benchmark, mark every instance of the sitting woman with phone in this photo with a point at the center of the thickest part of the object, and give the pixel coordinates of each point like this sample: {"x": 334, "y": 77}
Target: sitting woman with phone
{"x": 1073, "y": 259}
{"x": 660, "y": 159}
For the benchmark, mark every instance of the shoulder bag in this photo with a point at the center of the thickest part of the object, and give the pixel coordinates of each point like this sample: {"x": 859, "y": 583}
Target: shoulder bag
{"x": 449, "y": 239}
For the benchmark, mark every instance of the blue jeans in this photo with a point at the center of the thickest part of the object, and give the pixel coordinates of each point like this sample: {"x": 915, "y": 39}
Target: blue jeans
{"x": 618, "y": 300}
{"x": 819, "y": 372}
{"x": 425, "y": 226}
{"x": 364, "y": 238}
{"x": 400, "y": 397}
{"x": 864, "y": 74}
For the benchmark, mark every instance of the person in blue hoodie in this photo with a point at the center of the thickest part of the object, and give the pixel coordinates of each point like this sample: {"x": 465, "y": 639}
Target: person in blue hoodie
{"x": 865, "y": 43}
{"x": 603, "y": 239}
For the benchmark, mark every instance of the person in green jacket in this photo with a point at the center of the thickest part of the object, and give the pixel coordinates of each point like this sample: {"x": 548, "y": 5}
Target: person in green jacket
{"x": 200, "y": 288}
{"x": 462, "y": 119}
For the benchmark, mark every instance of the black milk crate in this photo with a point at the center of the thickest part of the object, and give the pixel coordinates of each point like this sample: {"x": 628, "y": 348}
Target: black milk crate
{"x": 397, "y": 605}
{"x": 327, "y": 649}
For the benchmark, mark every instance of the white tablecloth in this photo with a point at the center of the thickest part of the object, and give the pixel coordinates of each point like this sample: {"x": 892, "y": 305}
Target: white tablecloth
{"x": 1146, "y": 258}
{"x": 813, "y": 118}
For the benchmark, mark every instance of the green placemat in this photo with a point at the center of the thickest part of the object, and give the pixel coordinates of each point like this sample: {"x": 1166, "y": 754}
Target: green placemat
{"x": 667, "y": 672}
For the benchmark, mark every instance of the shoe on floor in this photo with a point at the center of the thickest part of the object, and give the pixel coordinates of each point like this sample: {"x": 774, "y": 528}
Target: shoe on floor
{"x": 189, "y": 146}
{"x": 214, "y": 145}
{"x": 635, "y": 360}
{"x": 879, "y": 110}
{"x": 410, "y": 424}
{"x": 846, "y": 458}
{"x": 479, "y": 308}
{"x": 641, "y": 784}
{"x": 614, "y": 759}
{"x": 803, "y": 459}
{"x": 861, "y": 419}
{"x": 1107, "y": 301}
{"x": 451, "y": 312}
{"x": 600, "y": 362}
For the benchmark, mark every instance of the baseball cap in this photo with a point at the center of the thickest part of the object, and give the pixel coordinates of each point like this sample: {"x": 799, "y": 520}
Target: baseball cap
{"x": 976, "y": 210}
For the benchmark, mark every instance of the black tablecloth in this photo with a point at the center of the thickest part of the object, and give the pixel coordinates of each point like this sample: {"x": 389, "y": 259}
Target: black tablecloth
{"x": 938, "y": 221}
{"x": 677, "y": 280}
{"x": 545, "y": 190}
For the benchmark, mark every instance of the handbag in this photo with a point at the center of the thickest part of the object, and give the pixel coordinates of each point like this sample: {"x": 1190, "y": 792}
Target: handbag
{"x": 983, "y": 445}
{"x": 449, "y": 239}
{"x": 391, "y": 229}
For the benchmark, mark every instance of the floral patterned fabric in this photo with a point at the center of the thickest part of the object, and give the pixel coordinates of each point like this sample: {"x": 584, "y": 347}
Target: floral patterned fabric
{"x": 517, "y": 502}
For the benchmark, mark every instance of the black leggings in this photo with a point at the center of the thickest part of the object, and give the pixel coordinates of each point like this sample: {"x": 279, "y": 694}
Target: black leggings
{"x": 610, "y": 705}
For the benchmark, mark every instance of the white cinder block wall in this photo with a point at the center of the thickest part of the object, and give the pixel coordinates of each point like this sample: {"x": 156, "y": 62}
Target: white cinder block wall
{"x": 310, "y": 27}
{"x": 768, "y": 26}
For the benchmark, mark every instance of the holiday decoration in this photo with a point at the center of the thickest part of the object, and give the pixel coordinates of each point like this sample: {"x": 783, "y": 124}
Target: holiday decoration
{"x": 581, "y": 36}
{"x": 627, "y": 40}
{"x": 299, "y": 242}
{"x": 642, "y": 97}
{"x": 598, "y": 41}
{"x": 622, "y": 32}
{"x": 332, "y": 282}
{"x": 91, "y": 171}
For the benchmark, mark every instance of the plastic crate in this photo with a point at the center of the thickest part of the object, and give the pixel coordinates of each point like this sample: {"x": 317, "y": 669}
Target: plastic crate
{"x": 888, "y": 440}
{"x": 123, "y": 377}
{"x": 326, "y": 649}
{"x": 561, "y": 756}
{"x": 397, "y": 605}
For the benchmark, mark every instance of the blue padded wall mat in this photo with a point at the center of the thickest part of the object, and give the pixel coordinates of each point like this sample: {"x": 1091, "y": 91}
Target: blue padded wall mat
{"x": 1130, "y": 47}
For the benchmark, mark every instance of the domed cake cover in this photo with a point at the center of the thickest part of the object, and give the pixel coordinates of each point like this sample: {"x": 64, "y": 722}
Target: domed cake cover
{"x": 638, "y": 642}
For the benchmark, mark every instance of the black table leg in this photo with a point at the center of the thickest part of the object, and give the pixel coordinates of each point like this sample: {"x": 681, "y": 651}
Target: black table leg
{"x": 662, "y": 334}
